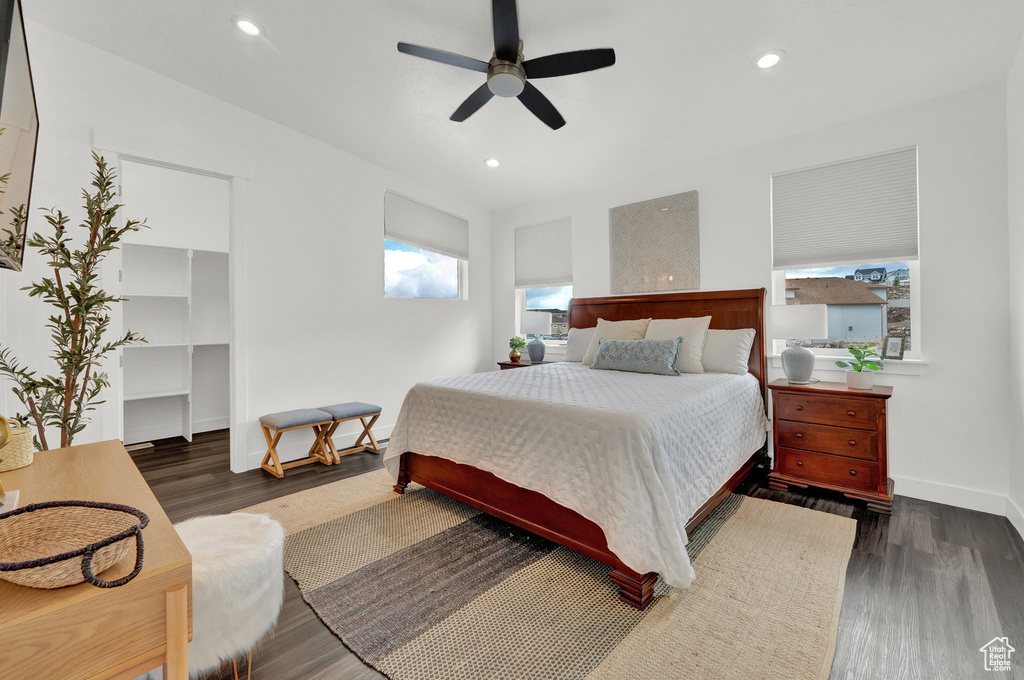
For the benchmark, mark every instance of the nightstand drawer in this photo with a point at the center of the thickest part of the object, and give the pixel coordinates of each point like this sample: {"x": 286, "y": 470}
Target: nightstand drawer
{"x": 860, "y": 413}
{"x": 840, "y": 441}
{"x": 820, "y": 467}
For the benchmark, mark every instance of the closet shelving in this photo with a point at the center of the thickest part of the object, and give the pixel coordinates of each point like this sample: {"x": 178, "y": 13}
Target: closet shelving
{"x": 177, "y": 384}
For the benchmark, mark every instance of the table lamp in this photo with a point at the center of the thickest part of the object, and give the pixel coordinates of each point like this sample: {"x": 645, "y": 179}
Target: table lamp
{"x": 799, "y": 322}
{"x": 535, "y": 323}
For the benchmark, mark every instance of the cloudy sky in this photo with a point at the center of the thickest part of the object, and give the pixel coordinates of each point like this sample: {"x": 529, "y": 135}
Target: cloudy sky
{"x": 554, "y": 297}
{"x": 412, "y": 272}
{"x": 841, "y": 272}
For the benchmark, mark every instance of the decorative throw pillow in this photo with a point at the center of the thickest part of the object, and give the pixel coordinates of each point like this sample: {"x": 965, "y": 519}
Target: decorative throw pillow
{"x": 728, "y": 351}
{"x": 615, "y": 330}
{"x": 692, "y": 330}
{"x": 638, "y": 356}
{"x": 578, "y": 343}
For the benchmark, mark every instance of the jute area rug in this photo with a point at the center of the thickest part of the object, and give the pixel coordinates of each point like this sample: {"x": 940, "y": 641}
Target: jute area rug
{"x": 422, "y": 587}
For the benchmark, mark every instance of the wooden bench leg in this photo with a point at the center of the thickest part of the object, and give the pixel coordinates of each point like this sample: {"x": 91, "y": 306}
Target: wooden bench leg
{"x": 274, "y": 467}
{"x": 329, "y": 443}
{"x": 319, "y": 450}
{"x": 369, "y": 433}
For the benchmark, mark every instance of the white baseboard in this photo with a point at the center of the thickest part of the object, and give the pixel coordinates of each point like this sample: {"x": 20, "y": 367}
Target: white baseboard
{"x": 947, "y": 494}
{"x": 301, "y": 441}
{"x": 1015, "y": 515}
{"x": 211, "y": 424}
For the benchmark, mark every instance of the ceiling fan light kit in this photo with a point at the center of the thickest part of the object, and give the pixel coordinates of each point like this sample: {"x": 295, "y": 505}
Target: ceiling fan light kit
{"x": 508, "y": 73}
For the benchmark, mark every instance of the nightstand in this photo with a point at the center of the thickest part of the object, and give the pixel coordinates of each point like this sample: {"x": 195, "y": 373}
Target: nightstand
{"x": 830, "y": 436}
{"x": 507, "y": 365}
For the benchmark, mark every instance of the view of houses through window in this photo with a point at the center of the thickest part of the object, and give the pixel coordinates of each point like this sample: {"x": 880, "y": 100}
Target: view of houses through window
{"x": 865, "y": 302}
{"x": 411, "y": 272}
{"x": 554, "y": 299}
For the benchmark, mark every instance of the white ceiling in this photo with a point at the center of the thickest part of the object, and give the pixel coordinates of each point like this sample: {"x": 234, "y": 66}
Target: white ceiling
{"x": 683, "y": 86}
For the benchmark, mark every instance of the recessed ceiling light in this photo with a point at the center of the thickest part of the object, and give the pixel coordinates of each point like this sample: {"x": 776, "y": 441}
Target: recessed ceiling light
{"x": 768, "y": 58}
{"x": 247, "y": 25}
{"x": 492, "y": 162}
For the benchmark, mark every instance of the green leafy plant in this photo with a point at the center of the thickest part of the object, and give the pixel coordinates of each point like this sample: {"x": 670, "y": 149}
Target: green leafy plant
{"x": 516, "y": 342}
{"x": 82, "y": 320}
{"x": 865, "y": 358}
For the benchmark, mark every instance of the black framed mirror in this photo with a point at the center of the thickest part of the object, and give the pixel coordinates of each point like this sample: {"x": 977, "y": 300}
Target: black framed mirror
{"x": 20, "y": 120}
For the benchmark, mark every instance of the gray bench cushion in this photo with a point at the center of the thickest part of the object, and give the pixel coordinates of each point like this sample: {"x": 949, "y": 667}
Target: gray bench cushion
{"x": 296, "y": 418}
{"x": 352, "y": 409}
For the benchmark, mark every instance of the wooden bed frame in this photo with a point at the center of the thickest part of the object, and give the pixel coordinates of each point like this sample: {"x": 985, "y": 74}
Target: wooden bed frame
{"x": 540, "y": 515}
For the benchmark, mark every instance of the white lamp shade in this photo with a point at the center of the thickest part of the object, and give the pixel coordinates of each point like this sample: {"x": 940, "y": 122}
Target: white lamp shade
{"x": 535, "y": 323}
{"x": 799, "y": 322}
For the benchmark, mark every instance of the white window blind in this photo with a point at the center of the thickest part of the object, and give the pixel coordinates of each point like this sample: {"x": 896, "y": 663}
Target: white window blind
{"x": 420, "y": 225}
{"x": 854, "y": 211}
{"x": 544, "y": 254}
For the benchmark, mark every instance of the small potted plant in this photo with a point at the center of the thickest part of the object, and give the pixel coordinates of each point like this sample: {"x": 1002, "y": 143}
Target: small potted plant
{"x": 861, "y": 368}
{"x": 516, "y": 343}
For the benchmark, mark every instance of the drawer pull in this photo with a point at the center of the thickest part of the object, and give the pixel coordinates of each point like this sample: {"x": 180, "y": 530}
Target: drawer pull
{"x": 853, "y": 442}
{"x": 799, "y": 435}
{"x": 853, "y": 473}
{"x": 851, "y": 413}
{"x": 799, "y": 407}
{"x": 799, "y": 463}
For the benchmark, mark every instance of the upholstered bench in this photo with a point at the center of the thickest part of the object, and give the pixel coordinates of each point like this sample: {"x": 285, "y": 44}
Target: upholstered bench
{"x": 350, "y": 411}
{"x": 276, "y": 424}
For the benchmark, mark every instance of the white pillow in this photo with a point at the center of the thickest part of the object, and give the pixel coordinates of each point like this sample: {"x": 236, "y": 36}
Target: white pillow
{"x": 728, "y": 351}
{"x": 578, "y": 343}
{"x": 615, "y": 330}
{"x": 692, "y": 330}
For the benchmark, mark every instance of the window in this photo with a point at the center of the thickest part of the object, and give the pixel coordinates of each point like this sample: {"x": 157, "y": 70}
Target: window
{"x": 553, "y": 299}
{"x": 411, "y": 272}
{"x": 845, "y": 235}
{"x": 426, "y": 250}
{"x": 544, "y": 275}
{"x": 865, "y": 302}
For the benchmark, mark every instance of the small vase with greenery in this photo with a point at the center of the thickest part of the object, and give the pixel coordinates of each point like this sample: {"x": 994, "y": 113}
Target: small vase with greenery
{"x": 516, "y": 343}
{"x": 79, "y": 326}
{"x": 861, "y": 368}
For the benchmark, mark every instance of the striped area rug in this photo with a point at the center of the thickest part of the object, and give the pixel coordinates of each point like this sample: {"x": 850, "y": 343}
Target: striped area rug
{"x": 422, "y": 587}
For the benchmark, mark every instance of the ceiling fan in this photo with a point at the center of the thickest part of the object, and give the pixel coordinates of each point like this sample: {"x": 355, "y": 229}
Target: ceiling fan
{"x": 507, "y": 74}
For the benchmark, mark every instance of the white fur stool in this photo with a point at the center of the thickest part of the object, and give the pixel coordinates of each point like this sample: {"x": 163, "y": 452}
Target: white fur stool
{"x": 237, "y": 586}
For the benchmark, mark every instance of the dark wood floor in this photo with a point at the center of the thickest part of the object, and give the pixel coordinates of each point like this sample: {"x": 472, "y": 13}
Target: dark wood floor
{"x": 925, "y": 588}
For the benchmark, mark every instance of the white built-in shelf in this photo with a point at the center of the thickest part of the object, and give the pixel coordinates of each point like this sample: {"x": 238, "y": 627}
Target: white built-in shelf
{"x": 156, "y": 395}
{"x": 211, "y": 344}
{"x": 132, "y": 296}
{"x": 155, "y": 345}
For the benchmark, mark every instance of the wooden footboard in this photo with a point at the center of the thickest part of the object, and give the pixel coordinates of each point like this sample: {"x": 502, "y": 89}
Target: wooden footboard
{"x": 540, "y": 515}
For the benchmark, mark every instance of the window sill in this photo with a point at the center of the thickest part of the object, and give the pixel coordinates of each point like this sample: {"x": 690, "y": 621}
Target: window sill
{"x": 892, "y": 367}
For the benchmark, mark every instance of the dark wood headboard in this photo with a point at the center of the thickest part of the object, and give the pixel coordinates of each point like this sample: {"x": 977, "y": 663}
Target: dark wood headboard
{"x": 729, "y": 309}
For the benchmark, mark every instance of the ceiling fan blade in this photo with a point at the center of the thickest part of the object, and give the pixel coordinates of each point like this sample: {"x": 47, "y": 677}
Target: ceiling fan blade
{"x": 567, "y": 63}
{"x": 506, "y": 29}
{"x": 541, "y": 106}
{"x": 443, "y": 57}
{"x": 480, "y": 96}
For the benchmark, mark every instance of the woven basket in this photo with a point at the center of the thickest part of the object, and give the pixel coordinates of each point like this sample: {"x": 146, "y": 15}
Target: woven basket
{"x": 15, "y": 446}
{"x": 61, "y": 543}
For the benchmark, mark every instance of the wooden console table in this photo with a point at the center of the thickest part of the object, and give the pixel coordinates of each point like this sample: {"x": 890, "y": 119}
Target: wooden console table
{"x": 86, "y": 633}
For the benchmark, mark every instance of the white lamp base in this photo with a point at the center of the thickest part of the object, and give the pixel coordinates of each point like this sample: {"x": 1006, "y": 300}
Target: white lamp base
{"x": 798, "y": 363}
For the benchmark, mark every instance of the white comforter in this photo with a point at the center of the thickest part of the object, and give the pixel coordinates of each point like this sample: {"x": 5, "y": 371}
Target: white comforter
{"x": 636, "y": 454}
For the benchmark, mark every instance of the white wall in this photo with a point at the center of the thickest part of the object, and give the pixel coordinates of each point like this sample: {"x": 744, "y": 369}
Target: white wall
{"x": 315, "y": 325}
{"x": 950, "y": 437}
{"x": 1015, "y": 195}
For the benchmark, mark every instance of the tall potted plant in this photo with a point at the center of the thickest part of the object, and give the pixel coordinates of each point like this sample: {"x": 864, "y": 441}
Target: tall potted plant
{"x": 79, "y": 326}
